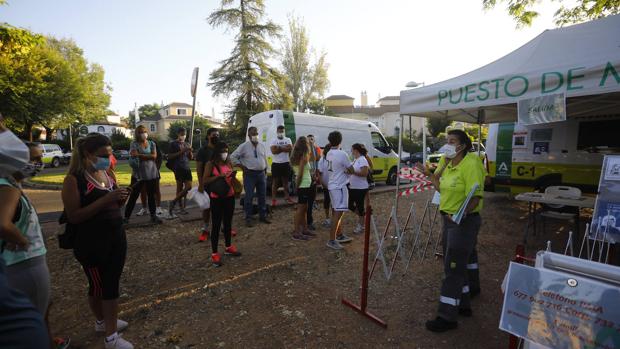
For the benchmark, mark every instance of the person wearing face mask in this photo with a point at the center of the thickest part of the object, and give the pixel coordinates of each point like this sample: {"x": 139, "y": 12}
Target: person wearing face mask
{"x": 457, "y": 173}
{"x": 204, "y": 155}
{"x": 281, "y": 148}
{"x": 179, "y": 156}
{"x": 219, "y": 174}
{"x": 251, "y": 157}
{"x": 145, "y": 173}
{"x": 358, "y": 185}
{"x": 92, "y": 203}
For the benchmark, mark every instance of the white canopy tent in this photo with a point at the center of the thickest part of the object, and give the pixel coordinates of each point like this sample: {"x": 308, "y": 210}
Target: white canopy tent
{"x": 581, "y": 61}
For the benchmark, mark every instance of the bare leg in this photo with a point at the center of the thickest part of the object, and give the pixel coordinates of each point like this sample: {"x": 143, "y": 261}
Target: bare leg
{"x": 110, "y": 315}
{"x": 95, "y": 307}
{"x": 336, "y": 218}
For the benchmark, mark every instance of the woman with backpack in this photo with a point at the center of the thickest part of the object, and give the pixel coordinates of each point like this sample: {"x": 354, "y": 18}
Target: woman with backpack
{"x": 92, "y": 203}
{"x": 143, "y": 156}
{"x": 217, "y": 180}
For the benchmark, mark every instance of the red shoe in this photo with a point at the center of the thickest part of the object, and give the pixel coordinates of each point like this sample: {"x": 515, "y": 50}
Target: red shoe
{"x": 232, "y": 251}
{"x": 233, "y": 232}
{"x": 203, "y": 235}
{"x": 273, "y": 202}
{"x": 216, "y": 259}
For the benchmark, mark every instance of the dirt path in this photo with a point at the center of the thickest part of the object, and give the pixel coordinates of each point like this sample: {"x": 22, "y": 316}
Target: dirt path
{"x": 282, "y": 293}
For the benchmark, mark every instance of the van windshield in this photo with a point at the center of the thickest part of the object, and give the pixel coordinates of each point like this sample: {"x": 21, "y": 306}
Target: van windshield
{"x": 379, "y": 142}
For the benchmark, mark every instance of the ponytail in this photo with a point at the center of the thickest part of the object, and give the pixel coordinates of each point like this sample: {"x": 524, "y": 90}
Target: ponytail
{"x": 84, "y": 146}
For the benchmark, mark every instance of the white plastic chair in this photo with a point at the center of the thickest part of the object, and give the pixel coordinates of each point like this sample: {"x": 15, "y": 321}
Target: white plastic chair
{"x": 562, "y": 192}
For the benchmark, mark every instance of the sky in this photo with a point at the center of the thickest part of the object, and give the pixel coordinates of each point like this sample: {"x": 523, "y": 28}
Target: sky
{"x": 149, "y": 48}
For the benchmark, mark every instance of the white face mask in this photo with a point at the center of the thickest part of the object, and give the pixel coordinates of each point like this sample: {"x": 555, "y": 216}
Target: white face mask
{"x": 14, "y": 154}
{"x": 224, "y": 156}
{"x": 182, "y": 138}
{"x": 254, "y": 139}
{"x": 450, "y": 151}
{"x": 144, "y": 136}
{"x": 280, "y": 135}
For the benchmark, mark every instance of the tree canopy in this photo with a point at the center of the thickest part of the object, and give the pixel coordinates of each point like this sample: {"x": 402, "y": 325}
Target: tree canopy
{"x": 144, "y": 111}
{"x": 578, "y": 11}
{"x": 47, "y": 81}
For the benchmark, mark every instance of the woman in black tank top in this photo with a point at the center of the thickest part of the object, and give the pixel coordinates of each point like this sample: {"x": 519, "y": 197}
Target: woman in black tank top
{"x": 92, "y": 203}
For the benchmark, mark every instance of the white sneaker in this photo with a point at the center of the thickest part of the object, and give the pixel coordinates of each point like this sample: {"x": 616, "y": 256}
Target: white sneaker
{"x": 141, "y": 212}
{"x": 327, "y": 222}
{"x": 117, "y": 343}
{"x": 358, "y": 229}
{"x": 120, "y": 325}
{"x": 159, "y": 212}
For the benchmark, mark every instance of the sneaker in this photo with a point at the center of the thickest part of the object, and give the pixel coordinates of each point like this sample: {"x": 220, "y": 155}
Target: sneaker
{"x": 216, "y": 259}
{"x": 159, "y": 212}
{"x": 300, "y": 237}
{"x": 156, "y": 220}
{"x": 343, "y": 238}
{"x": 61, "y": 343}
{"x": 169, "y": 215}
{"x": 264, "y": 220}
{"x": 334, "y": 244}
{"x": 273, "y": 203}
{"x": 141, "y": 212}
{"x": 309, "y": 234}
{"x": 358, "y": 229}
{"x": 204, "y": 235}
{"x": 232, "y": 251}
{"x": 117, "y": 343}
{"x": 327, "y": 223}
{"x": 120, "y": 326}
{"x": 233, "y": 232}
{"x": 441, "y": 325}
{"x": 183, "y": 211}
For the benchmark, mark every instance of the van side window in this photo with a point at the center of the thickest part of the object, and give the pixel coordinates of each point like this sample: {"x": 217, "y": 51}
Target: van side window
{"x": 379, "y": 142}
{"x": 596, "y": 135}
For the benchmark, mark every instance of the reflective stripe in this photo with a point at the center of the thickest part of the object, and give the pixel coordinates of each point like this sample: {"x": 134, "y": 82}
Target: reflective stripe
{"x": 466, "y": 289}
{"x": 449, "y": 301}
{"x": 472, "y": 266}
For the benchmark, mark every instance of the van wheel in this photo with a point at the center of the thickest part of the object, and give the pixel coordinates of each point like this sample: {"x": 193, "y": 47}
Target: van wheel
{"x": 55, "y": 162}
{"x": 391, "y": 178}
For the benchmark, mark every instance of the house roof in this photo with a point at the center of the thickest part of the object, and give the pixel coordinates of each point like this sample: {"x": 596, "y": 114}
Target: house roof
{"x": 178, "y": 104}
{"x": 390, "y": 98}
{"x": 332, "y": 97}
{"x": 370, "y": 111}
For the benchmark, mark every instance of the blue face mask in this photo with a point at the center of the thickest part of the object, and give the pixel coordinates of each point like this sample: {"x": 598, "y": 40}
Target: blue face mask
{"x": 102, "y": 163}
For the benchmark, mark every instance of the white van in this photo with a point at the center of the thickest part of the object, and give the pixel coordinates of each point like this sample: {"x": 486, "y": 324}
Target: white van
{"x": 52, "y": 155}
{"x": 522, "y": 158}
{"x": 385, "y": 160}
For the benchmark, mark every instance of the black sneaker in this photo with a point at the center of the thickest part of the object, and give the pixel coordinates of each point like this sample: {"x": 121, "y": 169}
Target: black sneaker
{"x": 466, "y": 312}
{"x": 264, "y": 220}
{"x": 441, "y": 325}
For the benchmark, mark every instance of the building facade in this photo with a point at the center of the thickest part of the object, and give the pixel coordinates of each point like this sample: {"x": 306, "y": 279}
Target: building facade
{"x": 159, "y": 124}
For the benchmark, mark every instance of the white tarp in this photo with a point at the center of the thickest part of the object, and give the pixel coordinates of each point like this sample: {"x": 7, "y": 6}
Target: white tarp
{"x": 582, "y": 61}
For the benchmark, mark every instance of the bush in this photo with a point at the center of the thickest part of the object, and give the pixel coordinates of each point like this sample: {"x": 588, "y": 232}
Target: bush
{"x": 120, "y": 141}
{"x": 408, "y": 145}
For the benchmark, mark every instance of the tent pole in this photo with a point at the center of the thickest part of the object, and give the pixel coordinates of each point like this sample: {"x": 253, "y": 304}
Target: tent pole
{"x": 424, "y": 144}
{"x": 479, "y": 137}
{"x": 400, "y": 152}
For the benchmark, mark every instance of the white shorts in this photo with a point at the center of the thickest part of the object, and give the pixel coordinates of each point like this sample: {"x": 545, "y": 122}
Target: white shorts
{"x": 340, "y": 199}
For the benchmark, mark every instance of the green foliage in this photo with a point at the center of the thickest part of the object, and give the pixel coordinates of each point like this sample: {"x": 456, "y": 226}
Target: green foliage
{"x": 579, "y": 11}
{"x": 47, "y": 82}
{"x": 437, "y": 125}
{"x": 245, "y": 75}
{"x": 120, "y": 141}
{"x": 199, "y": 123}
{"x": 410, "y": 146}
{"x": 146, "y": 110}
{"x": 305, "y": 81}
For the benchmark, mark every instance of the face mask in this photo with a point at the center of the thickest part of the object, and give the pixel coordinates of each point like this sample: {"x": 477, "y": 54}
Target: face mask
{"x": 280, "y": 135}
{"x": 450, "y": 151}
{"x": 144, "y": 136}
{"x": 14, "y": 154}
{"x": 215, "y": 139}
{"x": 254, "y": 139}
{"x": 182, "y": 138}
{"x": 224, "y": 156}
{"x": 102, "y": 163}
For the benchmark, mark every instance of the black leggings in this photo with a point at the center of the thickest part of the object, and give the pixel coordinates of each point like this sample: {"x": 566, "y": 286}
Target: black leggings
{"x": 222, "y": 209}
{"x": 357, "y": 198}
{"x": 151, "y": 186}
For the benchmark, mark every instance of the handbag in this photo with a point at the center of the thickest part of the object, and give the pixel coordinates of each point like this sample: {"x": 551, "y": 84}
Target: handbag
{"x": 219, "y": 187}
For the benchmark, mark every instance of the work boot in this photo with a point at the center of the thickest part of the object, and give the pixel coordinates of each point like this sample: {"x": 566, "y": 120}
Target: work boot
{"x": 441, "y": 325}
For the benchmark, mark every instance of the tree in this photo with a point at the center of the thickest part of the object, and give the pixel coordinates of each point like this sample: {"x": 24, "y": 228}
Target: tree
{"x": 305, "y": 81}
{"x": 245, "y": 76}
{"x": 199, "y": 123}
{"x": 437, "y": 125}
{"x": 580, "y": 11}
{"x": 47, "y": 82}
{"x": 144, "y": 111}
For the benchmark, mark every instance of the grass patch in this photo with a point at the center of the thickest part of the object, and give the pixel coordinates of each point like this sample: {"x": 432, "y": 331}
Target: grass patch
{"x": 123, "y": 175}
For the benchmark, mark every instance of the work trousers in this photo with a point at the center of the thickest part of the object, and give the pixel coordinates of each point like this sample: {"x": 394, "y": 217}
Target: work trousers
{"x": 459, "y": 242}
{"x": 254, "y": 180}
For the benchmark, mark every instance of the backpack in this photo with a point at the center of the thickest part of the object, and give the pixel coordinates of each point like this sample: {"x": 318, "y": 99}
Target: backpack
{"x": 66, "y": 239}
{"x": 171, "y": 163}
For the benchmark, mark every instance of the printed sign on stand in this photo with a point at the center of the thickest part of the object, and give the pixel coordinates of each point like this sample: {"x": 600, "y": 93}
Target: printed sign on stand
{"x": 560, "y": 310}
{"x": 606, "y": 218}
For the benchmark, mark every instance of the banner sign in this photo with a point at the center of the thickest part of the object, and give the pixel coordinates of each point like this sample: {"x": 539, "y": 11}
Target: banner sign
{"x": 560, "y": 310}
{"x": 606, "y": 219}
{"x": 542, "y": 110}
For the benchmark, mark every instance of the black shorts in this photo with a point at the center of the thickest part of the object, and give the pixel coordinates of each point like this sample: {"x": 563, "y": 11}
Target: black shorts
{"x": 281, "y": 170}
{"x": 304, "y": 195}
{"x": 357, "y": 198}
{"x": 327, "y": 200}
{"x": 182, "y": 175}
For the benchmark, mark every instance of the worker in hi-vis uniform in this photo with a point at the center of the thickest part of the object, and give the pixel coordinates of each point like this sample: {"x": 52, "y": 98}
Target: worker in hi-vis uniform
{"x": 458, "y": 172}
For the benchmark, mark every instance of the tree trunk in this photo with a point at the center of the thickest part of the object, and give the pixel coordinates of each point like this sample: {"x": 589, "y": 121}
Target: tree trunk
{"x": 28, "y": 131}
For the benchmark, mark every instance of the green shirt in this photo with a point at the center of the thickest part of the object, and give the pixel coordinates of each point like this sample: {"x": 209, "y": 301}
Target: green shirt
{"x": 306, "y": 181}
{"x": 28, "y": 225}
{"x": 457, "y": 181}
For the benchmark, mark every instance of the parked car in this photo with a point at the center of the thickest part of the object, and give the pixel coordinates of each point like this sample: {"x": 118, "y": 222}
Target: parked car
{"x": 412, "y": 158}
{"x": 52, "y": 155}
{"x": 121, "y": 154}
{"x": 66, "y": 157}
